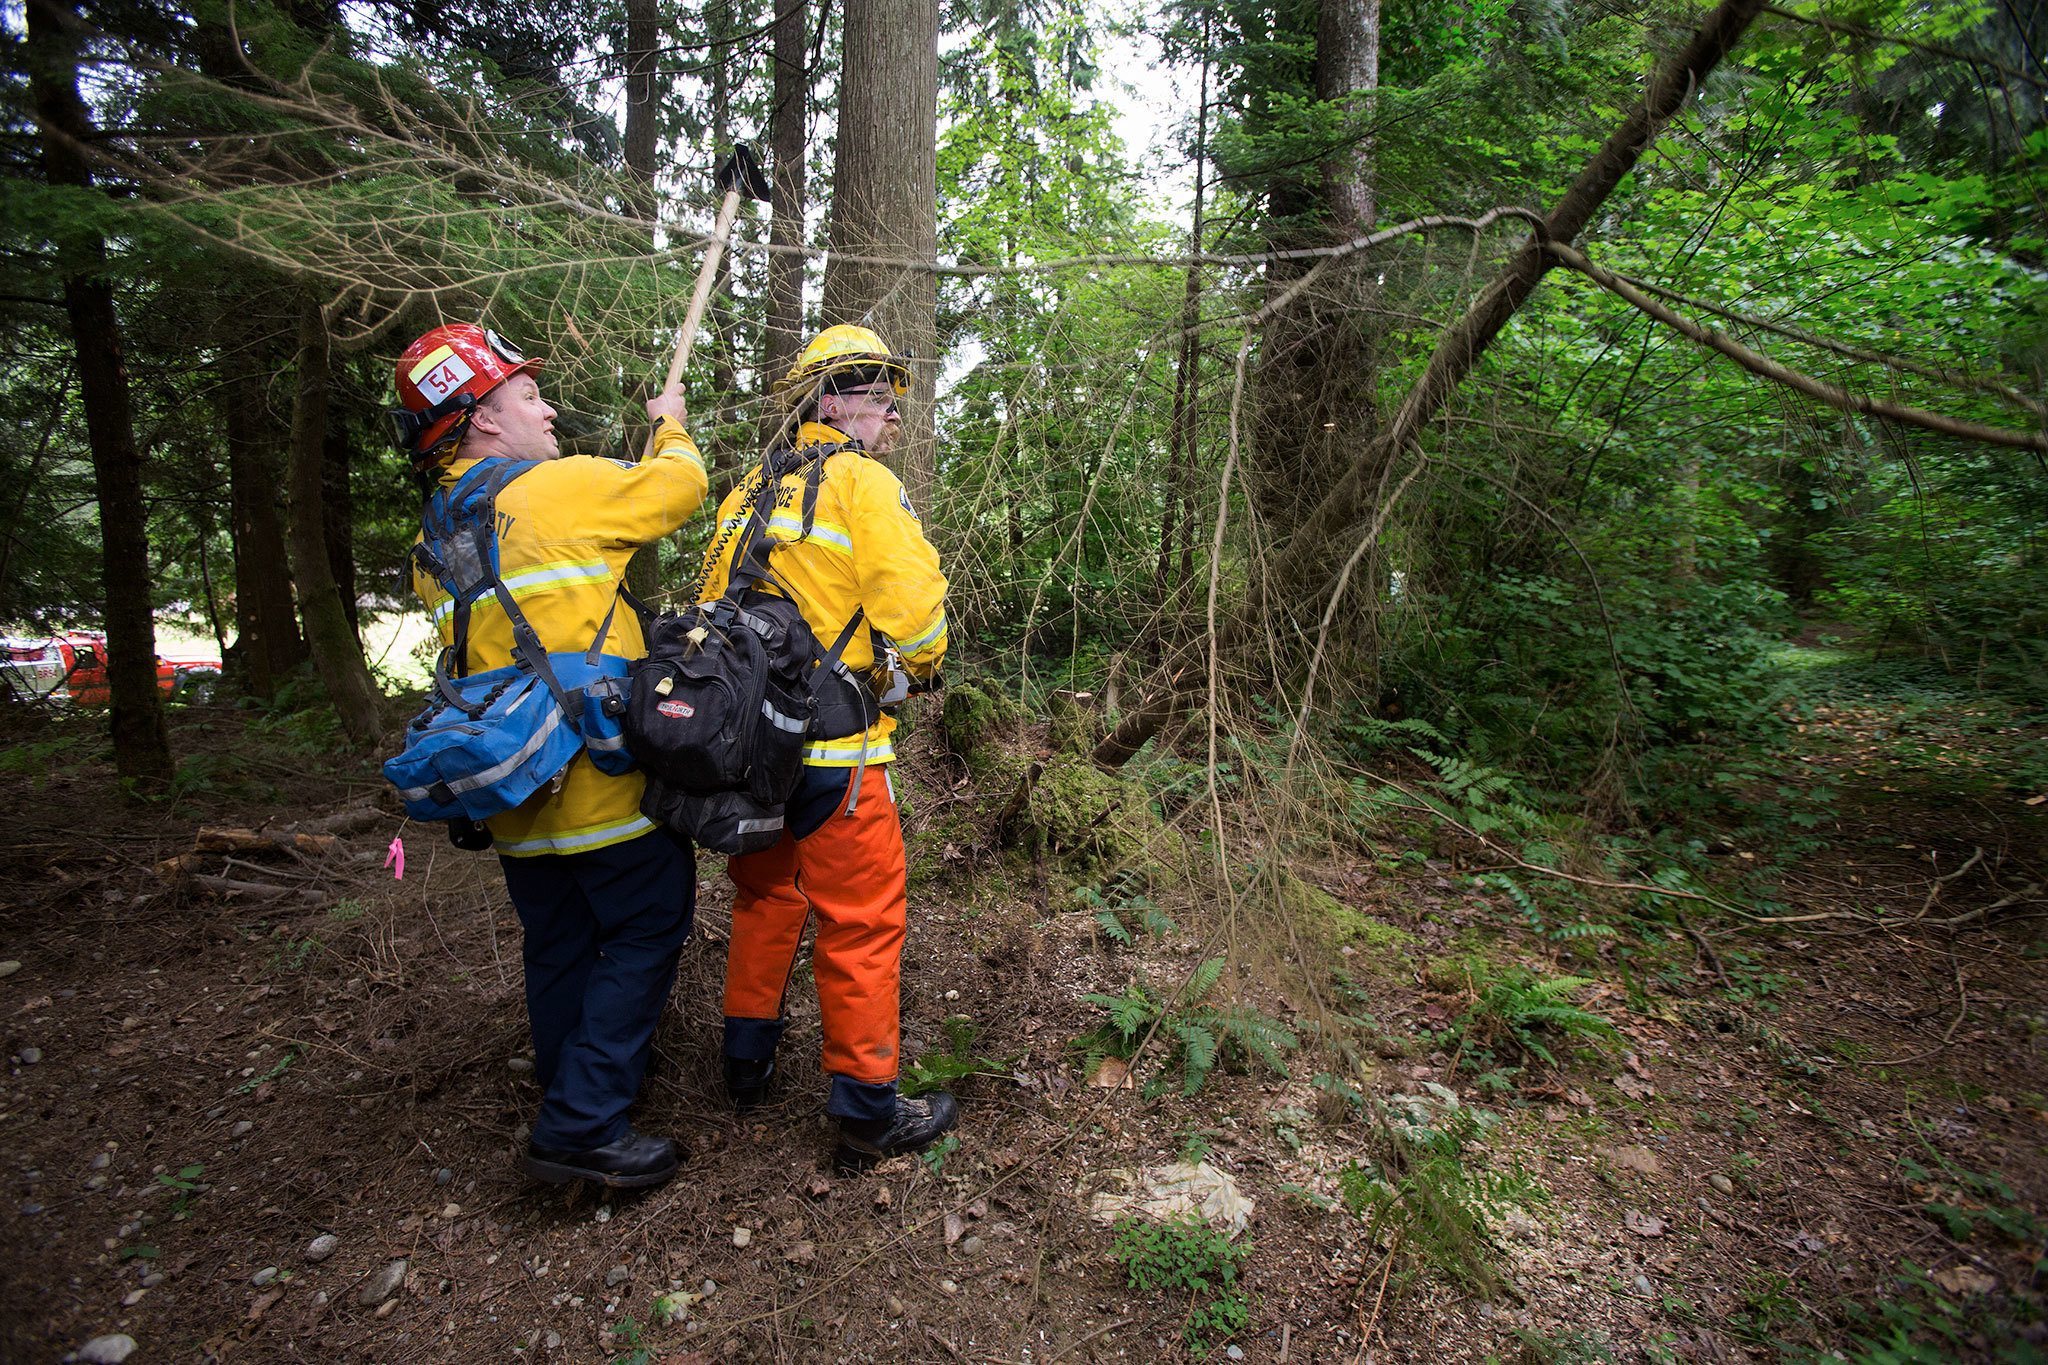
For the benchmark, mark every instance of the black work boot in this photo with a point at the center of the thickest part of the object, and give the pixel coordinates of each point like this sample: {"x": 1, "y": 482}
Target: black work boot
{"x": 747, "y": 1081}
{"x": 917, "y": 1125}
{"x": 628, "y": 1163}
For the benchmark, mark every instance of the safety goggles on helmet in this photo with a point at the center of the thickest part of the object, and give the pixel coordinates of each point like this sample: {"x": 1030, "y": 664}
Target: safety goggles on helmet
{"x": 837, "y": 355}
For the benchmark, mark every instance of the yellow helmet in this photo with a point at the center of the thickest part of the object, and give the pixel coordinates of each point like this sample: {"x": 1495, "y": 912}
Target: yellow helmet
{"x": 845, "y": 347}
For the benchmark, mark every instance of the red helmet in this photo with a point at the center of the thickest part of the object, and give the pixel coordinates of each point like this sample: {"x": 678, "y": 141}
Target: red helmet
{"x": 441, "y": 378}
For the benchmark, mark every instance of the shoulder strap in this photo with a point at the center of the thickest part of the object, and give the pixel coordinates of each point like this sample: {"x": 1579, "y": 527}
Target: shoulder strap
{"x": 478, "y": 489}
{"x": 750, "y": 557}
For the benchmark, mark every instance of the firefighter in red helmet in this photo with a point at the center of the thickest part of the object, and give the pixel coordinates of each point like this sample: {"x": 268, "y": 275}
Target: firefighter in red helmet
{"x": 605, "y": 898}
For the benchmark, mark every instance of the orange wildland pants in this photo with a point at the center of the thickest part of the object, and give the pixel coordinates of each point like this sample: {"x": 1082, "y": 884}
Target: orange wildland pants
{"x": 850, "y": 873}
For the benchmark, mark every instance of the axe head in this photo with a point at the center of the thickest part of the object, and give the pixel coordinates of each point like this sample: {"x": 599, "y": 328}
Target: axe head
{"x": 741, "y": 173}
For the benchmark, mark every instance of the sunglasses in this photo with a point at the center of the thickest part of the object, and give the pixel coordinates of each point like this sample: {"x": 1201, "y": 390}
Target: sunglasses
{"x": 883, "y": 396}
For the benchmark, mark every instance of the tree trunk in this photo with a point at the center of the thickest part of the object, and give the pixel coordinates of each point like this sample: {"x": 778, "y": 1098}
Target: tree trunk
{"x": 1176, "y": 511}
{"x": 1304, "y": 566}
{"x": 338, "y": 510}
{"x": 885, "y": 203}
{"x": 336, "y": 654}
{"x": 268, "y": 644}
{"x": 643, "y": 38}
{"x": 142, "y": 746}
{"x": 788, "y": 144}
{"x": 1317, "y": 361}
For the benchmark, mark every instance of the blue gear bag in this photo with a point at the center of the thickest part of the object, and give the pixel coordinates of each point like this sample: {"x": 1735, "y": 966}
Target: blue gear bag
{"x": 488, "y": 741}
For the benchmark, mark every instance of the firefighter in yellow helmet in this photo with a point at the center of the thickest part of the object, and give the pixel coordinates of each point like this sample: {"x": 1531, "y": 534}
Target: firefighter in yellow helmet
{"x": 860, "y": 548}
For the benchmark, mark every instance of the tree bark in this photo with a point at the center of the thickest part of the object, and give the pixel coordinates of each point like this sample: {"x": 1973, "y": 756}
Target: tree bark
{"x": 1318, "y": 358}
{"x": 267, "y": 640}
{"x": 885, "y": 203}
{"x": 336, "y": 654}
{"x": 788, "y": 144}
{"x": 1305, "y": 565}
{"x": 142, "y": 747}
{"x": 337, "y": 514}
{"x": 643, "y": 38}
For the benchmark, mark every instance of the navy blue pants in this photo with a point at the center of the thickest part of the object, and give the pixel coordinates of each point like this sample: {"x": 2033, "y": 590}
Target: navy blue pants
{"x": 604, "y": 930}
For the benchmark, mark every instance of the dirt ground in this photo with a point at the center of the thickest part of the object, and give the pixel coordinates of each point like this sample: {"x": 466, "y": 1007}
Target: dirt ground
{"x": 1808, "y": 1134}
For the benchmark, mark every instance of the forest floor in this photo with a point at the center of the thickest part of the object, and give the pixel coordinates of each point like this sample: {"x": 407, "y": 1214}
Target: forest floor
{"x": 1826, "y": 1133}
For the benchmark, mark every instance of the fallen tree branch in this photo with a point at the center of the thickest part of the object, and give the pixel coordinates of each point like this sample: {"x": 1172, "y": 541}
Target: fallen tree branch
{"x": 1953, "y": 378}
{"x": 1764, "y": 367}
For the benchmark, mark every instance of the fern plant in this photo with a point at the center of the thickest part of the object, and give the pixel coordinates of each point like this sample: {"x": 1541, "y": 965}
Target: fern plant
{"x": 1197, "y": 1037}
{"x": 1519, "y": 1009}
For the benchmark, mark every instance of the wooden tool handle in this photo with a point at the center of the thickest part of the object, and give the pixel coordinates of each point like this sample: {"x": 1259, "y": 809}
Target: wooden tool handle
{"x": 702, "y": 296}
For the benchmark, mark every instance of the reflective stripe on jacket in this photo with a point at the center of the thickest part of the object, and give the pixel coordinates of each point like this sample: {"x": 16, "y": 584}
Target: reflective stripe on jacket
{"x": 566, "y": 529}
{"x": 866, "y": 549}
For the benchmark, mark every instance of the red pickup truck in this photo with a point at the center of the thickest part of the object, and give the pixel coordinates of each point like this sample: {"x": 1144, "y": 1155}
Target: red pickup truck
{"x": 72, "y": 667}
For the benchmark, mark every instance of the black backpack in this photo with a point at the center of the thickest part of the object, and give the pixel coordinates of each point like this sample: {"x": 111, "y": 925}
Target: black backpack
{"x": 731, "y": 690}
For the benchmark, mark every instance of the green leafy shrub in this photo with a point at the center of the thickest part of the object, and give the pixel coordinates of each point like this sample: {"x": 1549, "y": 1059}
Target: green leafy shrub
{"x": 1187, "y": 1261}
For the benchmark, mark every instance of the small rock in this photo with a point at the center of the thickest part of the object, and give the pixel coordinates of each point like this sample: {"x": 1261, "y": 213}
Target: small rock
{"x": 98, "y": 1182}
{"x": 31, "y": 1208}
{"x": 451, "y": 1211}
{"x": 323, "y": 1246}
{"x": 1642, "y": 1224}
{"x": 710, "y": 1288}
{"x": 103, "y": 1160}
{"x": 381, "y": 1286}
{"x": 385, "y": 1308}
{"x": 893, "y": 1306}
{"x": 107, "y": 1350}
{"x": 31, "y": 1055}
{"x": 953, "y": 1227}
{"x": 617, "y": 1276}
{"x": 1721, "y": 1182}
{"x": 242, "y": 1129}
{"x": 216, "y": 1111}
{"x": 553, "y": 1341}
{"x": 443, "y": 1176}
{"x": 1234, "y": 1352}
{"x": 265, "y": 1276}
{"x": 603, "y": 1214}
{"x": 1643, "y": 1287}
{"x": 801, "y": 1253}
{"x": 519, "y": 1066}
{"x": 133, "y": 1297}
{"x": 948, "y": 1287}
{"x": 152, "y": 1279}
{"x": 971, "y": 1246}
{"x": 742, "y": 1236}
{"x": 9, "y": 969}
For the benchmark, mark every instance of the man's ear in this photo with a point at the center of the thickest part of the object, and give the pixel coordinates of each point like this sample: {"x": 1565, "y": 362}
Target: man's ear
{"x": 483, "y": 417}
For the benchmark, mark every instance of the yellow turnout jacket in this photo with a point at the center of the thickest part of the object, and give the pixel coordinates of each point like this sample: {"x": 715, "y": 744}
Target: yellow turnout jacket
{"x": 866, "y": 549}
{"x": 566, "y": 529}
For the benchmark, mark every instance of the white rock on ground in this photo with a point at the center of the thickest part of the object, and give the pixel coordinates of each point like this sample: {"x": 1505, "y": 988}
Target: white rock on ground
{"x": 1178, "y": 1190}
{"x": 382, "y": 1285}
{"x": 264, "y": 1276}
{"x": 323, "y": 1246}
{"x": 107, "y": 1350}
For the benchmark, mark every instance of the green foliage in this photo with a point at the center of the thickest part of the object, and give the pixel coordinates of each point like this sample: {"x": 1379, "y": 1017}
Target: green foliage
{"x": 1196, "y": 1036}
{"x": 1430, "y": 1196}
{"x": 1519, "y": 1013}
{"x": 1188, "y": 1262}
{"x": 941, "y": 1067}
{"x": 186, "y": 1185}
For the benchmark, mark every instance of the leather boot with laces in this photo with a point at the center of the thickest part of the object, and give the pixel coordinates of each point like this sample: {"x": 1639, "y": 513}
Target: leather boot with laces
{"x": 918, "y": 1124}
{"x": 630, "y": 1162}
